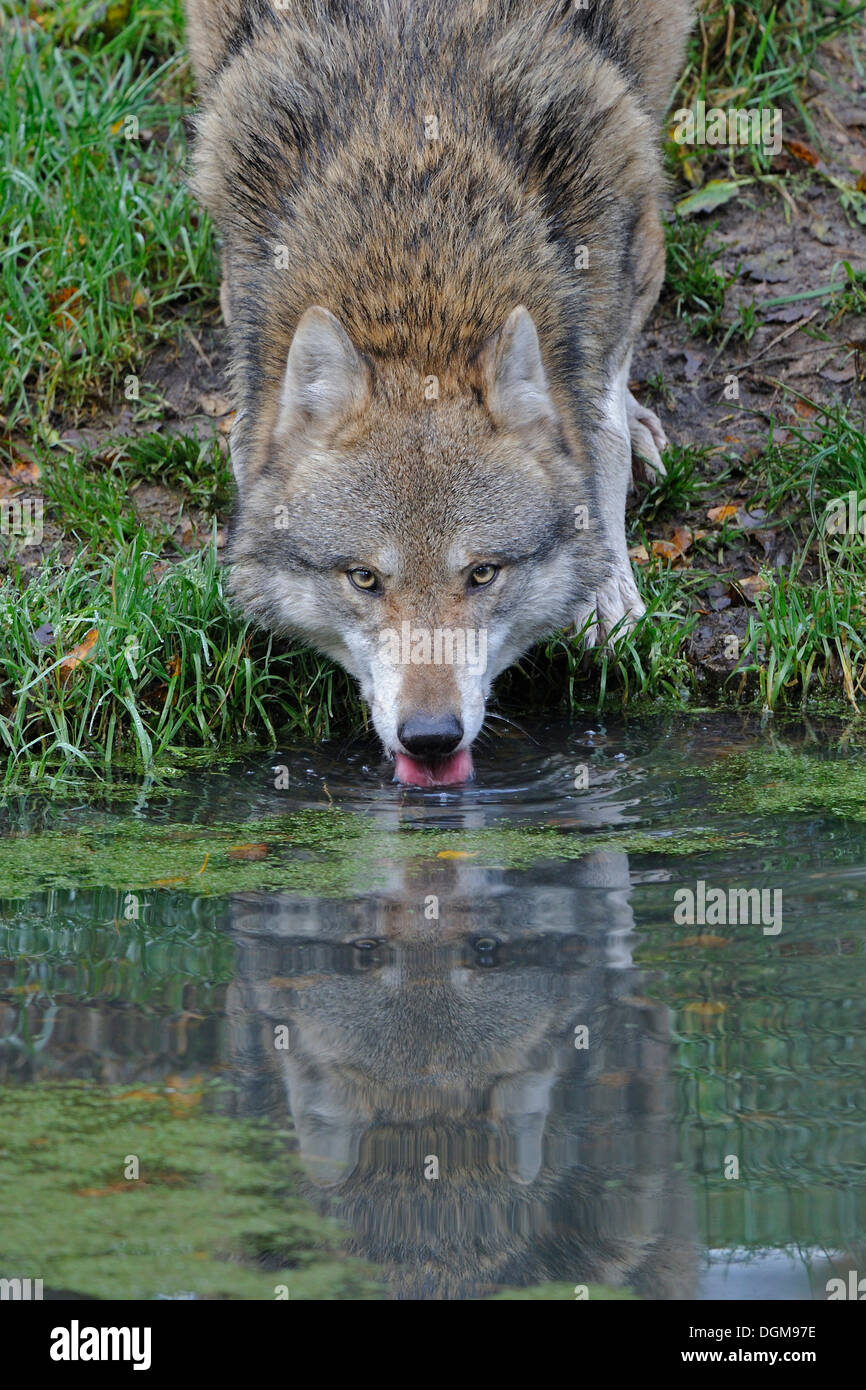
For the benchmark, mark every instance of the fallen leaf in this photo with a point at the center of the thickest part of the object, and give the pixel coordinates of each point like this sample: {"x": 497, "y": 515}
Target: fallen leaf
{"x": 751, "y": 521}
{"x": 682, "y": 537}
{"x": 752, "y": 587}
{"x": 713, "y": 195}
{"x": 706, "y": 1010}
{"x": 248, "y": 852}
{"x": 720, "y": 514}
{"x": 24, "y": 471}
{"x": 458, "y": 854}
{"x": 802, "y": 151}
{"x": 705, "y": 941}
{"x": 639, "y": 555}
{"x": 804, "y": 410}
{"x": 172, "y": 666}
{"x": 79, "y": 654}
{"x": 667, "y": 550}
{"x": 67, "y": 305}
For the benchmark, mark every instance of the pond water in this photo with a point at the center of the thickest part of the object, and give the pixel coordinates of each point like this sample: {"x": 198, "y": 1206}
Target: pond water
{"x": 596, "y": 1021}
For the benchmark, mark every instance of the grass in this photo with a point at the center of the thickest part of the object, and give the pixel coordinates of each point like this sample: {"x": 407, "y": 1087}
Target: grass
{"x": 102, "y": 245}
{"x": 92, "y": 501}
{"x": 751, "y": 53}
{"x": 693, "y": 283}
{"x": 170, "y": 665}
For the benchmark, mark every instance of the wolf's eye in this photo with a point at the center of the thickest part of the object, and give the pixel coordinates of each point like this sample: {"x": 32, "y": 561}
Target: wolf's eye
{"x": 483, "y": 574}
{"x": 365, "y": 580}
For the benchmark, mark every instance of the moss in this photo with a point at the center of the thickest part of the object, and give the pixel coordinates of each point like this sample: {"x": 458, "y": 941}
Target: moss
{"x": 328, "y": 853}
{"x": 776, "y": 783}
{"x": 72, "y": 1219}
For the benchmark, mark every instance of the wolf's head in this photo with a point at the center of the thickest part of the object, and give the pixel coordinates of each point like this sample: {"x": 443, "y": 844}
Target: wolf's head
{"x": 421, "y": 531}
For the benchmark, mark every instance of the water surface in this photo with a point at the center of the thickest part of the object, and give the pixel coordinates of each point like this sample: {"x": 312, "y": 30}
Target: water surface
{"x": 474, "y": 1028}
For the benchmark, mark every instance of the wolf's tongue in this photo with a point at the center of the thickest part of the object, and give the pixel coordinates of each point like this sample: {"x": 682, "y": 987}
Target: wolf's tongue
{"x": 457, "y": 768}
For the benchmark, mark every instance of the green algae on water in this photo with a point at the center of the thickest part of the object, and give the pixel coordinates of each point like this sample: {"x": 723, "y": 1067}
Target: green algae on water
{"x": 327, "y": 853}
{"x": 214, "y": 1213}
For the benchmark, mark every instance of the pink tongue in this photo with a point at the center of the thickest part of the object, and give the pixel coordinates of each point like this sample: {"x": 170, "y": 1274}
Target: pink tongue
{"x": 457, "y": 768}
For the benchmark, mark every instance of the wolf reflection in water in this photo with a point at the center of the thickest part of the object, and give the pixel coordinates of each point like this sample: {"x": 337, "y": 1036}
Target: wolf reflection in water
{"x": 455, "y": 1040}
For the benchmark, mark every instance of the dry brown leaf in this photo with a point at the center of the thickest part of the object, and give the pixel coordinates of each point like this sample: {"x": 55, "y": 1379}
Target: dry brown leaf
{"x": 719, "y": 514}
{"x": 248, "y": 852}
{"x": 752, "y": 587}
{"x": 24, "y": 470}
{"x": 667, "y": 550}
{"x": 639, "y": 555}
{"x": 682, "y": 537}
{"x": 67, "y": 304}
{"x": 79, "y": 654}
{"x": 802, "y": 151}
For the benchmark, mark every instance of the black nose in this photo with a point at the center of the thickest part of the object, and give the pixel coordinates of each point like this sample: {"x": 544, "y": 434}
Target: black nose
{"x": 430, "y": 736}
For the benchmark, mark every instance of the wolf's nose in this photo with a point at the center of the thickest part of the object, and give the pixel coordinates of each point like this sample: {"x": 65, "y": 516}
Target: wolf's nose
{"x": 430, "y": 736}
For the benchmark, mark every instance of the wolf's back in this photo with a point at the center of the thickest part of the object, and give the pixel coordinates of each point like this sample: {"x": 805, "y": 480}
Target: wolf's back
{"x": 314, "y": 137}
{"x": 645, "y": 38}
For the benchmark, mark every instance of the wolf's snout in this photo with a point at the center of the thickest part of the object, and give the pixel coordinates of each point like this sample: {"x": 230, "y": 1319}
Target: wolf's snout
{"x": 430, "y": 737}
{"x": 430, "y": 759}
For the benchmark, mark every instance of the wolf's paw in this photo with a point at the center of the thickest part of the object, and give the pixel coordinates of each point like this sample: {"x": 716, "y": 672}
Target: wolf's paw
{"x": 647, "y": 441}
{"x": 618, "y": 605}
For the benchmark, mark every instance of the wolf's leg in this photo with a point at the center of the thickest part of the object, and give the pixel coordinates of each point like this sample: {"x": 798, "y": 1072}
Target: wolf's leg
{"x": 617, "y": 599}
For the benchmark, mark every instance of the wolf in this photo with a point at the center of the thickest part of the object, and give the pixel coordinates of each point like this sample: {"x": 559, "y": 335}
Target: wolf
{"x": 441, "y": 236}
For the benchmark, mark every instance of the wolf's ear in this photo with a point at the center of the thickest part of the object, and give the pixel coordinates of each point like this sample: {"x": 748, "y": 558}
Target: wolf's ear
{"x": 326, "y": 380}
{"x": 512, "y": 375}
